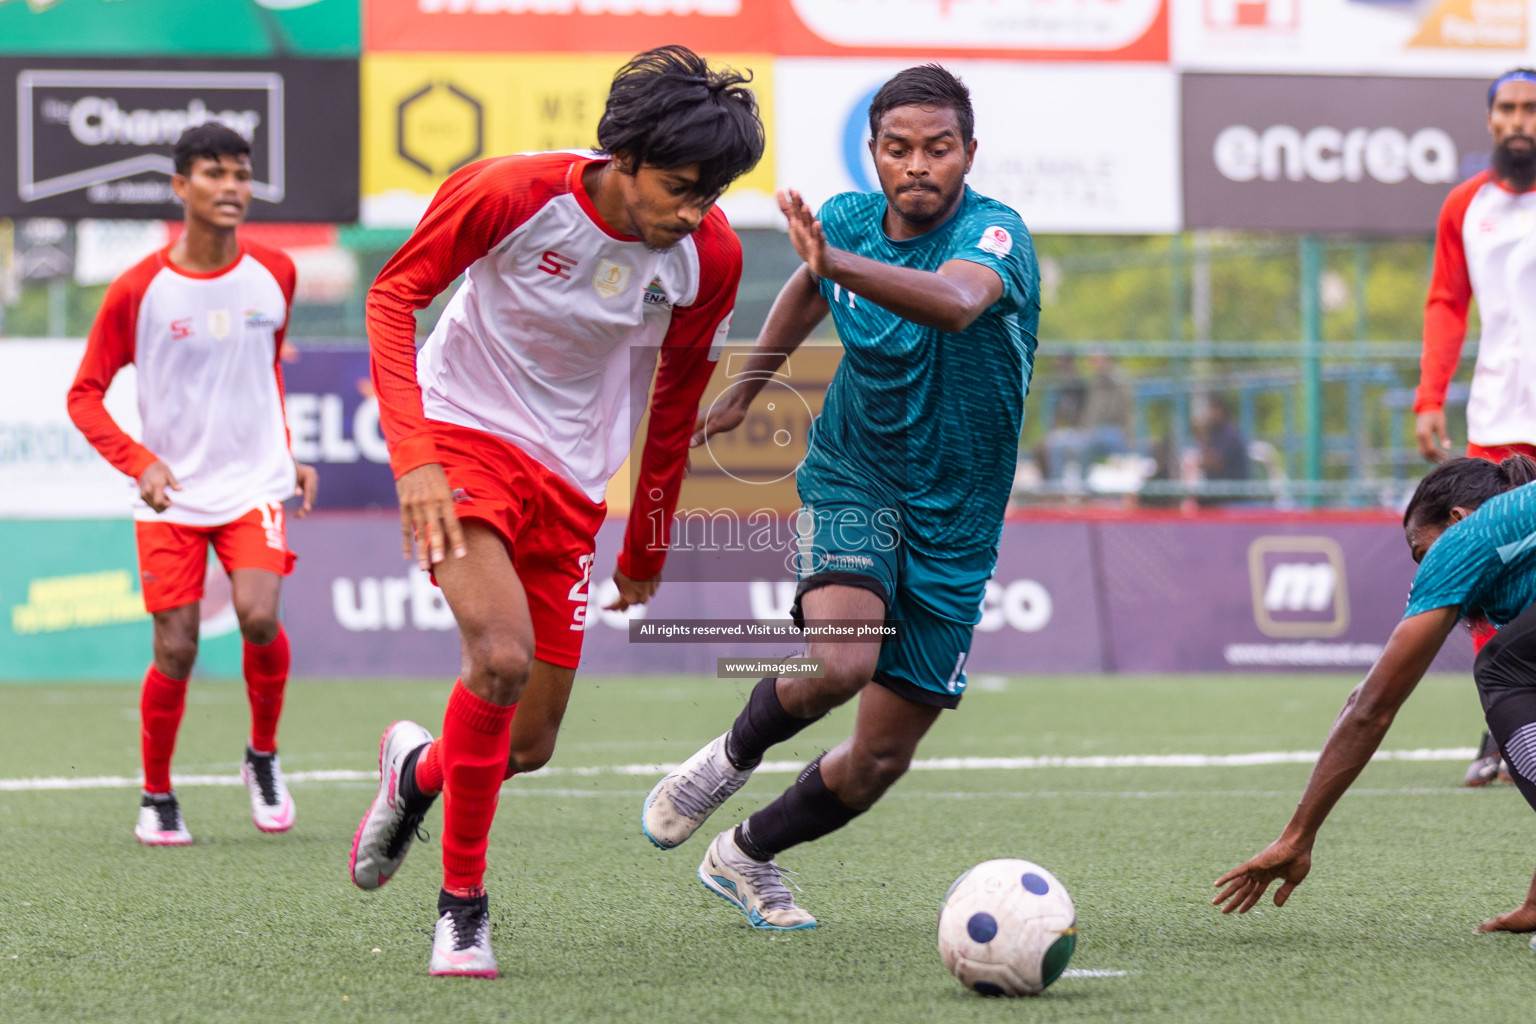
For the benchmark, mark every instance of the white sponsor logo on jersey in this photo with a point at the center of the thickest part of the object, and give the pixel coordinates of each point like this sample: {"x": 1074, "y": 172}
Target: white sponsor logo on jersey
{"x": 997, "y": 241}
{"x": 610, "y": 279}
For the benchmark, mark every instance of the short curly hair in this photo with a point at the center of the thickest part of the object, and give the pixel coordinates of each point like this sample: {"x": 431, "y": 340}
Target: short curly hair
{"x": 927, "y": 85}
{"x": 209, "y": 140}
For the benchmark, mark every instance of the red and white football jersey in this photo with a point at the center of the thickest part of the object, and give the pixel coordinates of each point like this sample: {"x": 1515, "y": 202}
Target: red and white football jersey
{"x": 210, "y": 386}
{"x": 551, "y": 340}
{"x": 1485, "y": 247}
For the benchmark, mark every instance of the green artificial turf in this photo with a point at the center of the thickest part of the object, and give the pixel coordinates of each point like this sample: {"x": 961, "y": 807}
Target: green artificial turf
{"x": 593, "y": 924}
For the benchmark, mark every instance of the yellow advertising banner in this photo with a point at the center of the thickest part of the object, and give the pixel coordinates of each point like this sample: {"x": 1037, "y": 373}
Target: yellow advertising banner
{"x": 426, "y": 115}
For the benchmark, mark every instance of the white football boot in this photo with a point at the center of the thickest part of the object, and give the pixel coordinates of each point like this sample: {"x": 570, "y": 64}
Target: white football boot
{"x": 160, "y": 821}
{"x": 271, "y": 806}
{"x": 684, "y": 800}
{"x": 461, "y": 943}
{"x": 755, "y": 887}
{"x": 385, "y": 834}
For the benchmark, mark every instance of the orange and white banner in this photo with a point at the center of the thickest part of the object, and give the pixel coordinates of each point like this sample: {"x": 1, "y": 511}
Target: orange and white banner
{"x": 1037, "y": 29}
{"x": 1400, "y": 37}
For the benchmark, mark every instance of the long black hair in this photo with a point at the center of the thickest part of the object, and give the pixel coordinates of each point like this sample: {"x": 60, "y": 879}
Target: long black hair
{"x": 1464, "y": 483}
{"x": 667, "y": 108}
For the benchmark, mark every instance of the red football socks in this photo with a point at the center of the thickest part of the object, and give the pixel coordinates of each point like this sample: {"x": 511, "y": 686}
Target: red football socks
{"x": 161, "y": 704}
{"x": 266, "y": 677}
{"x": 473, "y": 755}
{"x": 429, "y": 770}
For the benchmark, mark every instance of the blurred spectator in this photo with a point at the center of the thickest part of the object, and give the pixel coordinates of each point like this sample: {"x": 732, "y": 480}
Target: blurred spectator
{"x": 1223, "y": 451}
{"x": 1094, "y": 425}
{"x": 1071, "y": 395}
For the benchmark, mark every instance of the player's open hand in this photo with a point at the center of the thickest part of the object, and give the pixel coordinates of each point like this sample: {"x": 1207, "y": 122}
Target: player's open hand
{"x": 427, "y": 516}
{"x": 631, "y": 591}
{"x": 1522, "y": 920}
{"x": 1429, "y": 430}
{"x": 306, "y": 487}
{"x": 1245, "y": 885}
{"x": 805, "y": 232}
{"x": 154, "y": 483}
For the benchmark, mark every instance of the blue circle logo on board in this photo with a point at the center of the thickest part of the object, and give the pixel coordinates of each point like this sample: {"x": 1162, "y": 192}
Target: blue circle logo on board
{"x": 856, "y": 144}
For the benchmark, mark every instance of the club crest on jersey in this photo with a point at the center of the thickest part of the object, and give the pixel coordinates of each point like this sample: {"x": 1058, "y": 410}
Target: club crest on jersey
{"x": 611, "y": 279}
{"x": 996, "y": 240}
{"x": 219, "y": 323}
{"x": 656, "y": 295}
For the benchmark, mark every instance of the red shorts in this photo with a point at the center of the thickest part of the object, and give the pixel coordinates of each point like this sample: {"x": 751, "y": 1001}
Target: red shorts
{"x": 173, "y": 558}
{"x": 1498, "y": 453}
{"x": 549, "y": 528}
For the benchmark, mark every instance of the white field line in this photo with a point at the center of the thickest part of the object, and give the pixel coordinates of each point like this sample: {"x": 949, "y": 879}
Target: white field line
{"x": 932, "y": 764}
{"x": 1092, "y": 972}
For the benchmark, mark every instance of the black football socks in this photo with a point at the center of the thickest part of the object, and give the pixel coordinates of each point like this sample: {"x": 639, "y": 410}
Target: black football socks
{"x": 805, "y": 811}
{"x": 761, "y": 724}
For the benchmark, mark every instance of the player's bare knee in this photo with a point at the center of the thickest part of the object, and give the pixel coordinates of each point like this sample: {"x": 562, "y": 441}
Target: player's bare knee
{"x": 500, "y": 668}
{"x": 530, "y": 755}
{"x": 812, "y": 698}
{"x": 883, "y": 770}
{"x": 846, "y": 674}
{"x": 878, "y": 765}
{"x": 175, "y": 655}
{"x": 259, "y": 628}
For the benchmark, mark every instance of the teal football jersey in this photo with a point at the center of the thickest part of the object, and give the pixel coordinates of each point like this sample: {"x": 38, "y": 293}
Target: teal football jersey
{"x": 925, "y": 421}
{"x": 1484, "y": 565}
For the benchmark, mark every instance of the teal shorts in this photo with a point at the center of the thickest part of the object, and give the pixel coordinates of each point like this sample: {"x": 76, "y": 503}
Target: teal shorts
{"x": 935, "y": 601}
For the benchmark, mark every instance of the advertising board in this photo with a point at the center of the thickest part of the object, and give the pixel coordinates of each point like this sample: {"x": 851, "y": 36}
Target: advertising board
{"x": 1328, "y": 153}
{"x": 1131, "y": 30}
{"x": 1042, "y": 146}
{"x": 137, "y": 28}
{"x": 426, "y": 115}
{"x": 1395, "y": 37}
{"x": 93, "y": 137}
{"x": 47, "y": 468}
{"x": 71, "y": 606}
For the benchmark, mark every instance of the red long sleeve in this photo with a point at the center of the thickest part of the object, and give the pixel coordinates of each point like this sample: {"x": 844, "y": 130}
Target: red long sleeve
{"x": 471, "y": 214}
{"x": 687, "y": 360}
{"x": 1450, "y": 298}
{"x": 109, "y": 348}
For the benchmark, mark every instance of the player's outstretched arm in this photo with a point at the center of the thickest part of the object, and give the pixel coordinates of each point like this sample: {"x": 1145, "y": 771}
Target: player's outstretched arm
{"x": 1356, "y": 733}
{"x": 795, "y": 314}
{"x": 948, "y": 299}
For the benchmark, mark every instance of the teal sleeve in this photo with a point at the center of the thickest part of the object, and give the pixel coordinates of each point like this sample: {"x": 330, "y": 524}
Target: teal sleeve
{"x": 1452, "y": 575}
{"x": 995, "y": 237}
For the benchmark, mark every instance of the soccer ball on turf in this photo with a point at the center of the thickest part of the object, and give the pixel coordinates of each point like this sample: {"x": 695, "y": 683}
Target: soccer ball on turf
{"x": 1007, "y": 928}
